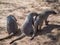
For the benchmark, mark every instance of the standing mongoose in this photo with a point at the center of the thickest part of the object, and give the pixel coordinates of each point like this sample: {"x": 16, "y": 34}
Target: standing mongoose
{"x": 40, "y": 19}
{"x": 11, "y": 26}
{"x": 27, "y": 26}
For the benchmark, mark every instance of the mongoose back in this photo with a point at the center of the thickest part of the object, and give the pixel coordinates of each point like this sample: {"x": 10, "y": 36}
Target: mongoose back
{"x": 40, "y": 19}
{"x": 11, "y": 26}
{"x": 27, "y": 27}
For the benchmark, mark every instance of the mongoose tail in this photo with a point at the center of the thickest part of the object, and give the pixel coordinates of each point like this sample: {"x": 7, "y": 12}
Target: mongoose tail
{"x": 7, "y": 37}
{"x": 19, "y": 38}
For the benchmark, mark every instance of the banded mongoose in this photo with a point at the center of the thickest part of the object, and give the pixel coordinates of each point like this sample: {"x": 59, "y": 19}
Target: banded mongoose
{"x": 27, "y": 27}
{"x": 40, "y": 19}
{"x": 12, "y": 27}
{"x": 12, "y": 24}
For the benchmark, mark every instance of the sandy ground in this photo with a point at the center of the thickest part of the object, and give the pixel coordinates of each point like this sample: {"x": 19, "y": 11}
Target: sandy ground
{"x": 50, "y": 35}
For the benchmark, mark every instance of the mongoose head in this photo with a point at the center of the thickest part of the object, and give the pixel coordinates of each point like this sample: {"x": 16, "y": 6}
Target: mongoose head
{"x": 33, "y": 14}
{"x": 48, "y": 12}
{"x": 11, "y": 16}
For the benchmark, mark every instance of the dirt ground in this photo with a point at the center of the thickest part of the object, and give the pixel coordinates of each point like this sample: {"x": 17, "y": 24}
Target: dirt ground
{"x": 49, "y": 35}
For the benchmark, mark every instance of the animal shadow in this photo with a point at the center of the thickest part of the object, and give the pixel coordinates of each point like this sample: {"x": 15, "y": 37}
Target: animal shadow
{"x": 46, "y": 30}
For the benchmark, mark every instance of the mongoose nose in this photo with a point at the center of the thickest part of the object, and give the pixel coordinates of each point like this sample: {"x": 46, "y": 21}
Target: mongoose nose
{"x": 55, "y": 12}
